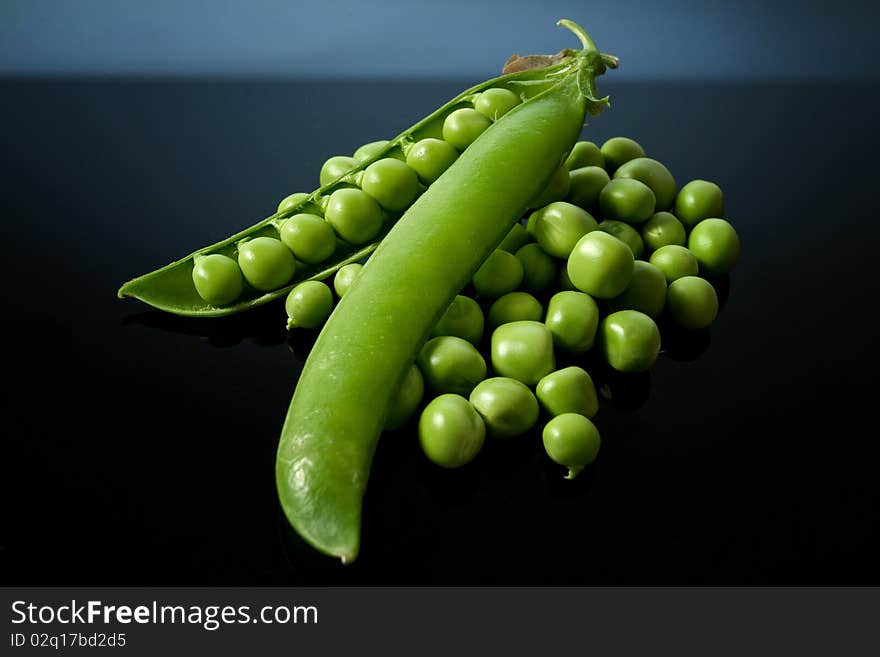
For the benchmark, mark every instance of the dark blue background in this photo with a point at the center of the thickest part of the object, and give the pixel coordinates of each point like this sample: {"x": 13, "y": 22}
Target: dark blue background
{"x": 139, "y": 448}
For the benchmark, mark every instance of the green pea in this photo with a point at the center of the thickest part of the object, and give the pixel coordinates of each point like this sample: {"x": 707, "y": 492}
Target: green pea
{"x": 625, "y": 233}
{"x": 655, "y": 175}
{"x": 311, "y": 239}
{"x": 292, "y": 201}
{"x": 569, "y": 390}
{"x": 451, "y": 431}
{"x": 266, "y": 263}
{"x": 629, "y": 340}
{"x": 514, "y": 307}
{"x": 585, "y": 154}
{"x": 558, "y": 226}
{"x": 463, "y": 319}
{"x": 392, "y": 183}
{"x": 572, "y": 318}
{"x": 715, "y": 245}
{"x": 698, "y": 200}
{"x": 692, "y": 302}
{"x": 345, "y": 277}
{"x": 407, "y": 400}
{"x": 516, "y": 238}
{"x": 675, "y": 261}
{"x": 354, "y": 215}
{"x": 430, "y": 157}
{"x": 335, "y": 167}
{"x": 495, "y": 103}
{"x": 600, "y": 265}
{"x": 450, "y": 364}
{"x": 368, "y": 151}
{"x": 662, "y": 230}
{"x": 507, "y": 406}
{"x": 217, "y": 278}
{"x": 619, "y": 150}
{"x": 556, "y": 190}
{"x": 564, "y": 282}
{"x": 539, "y": 269}
{"x": 501, "y": 273}
{"x": 463, "y": 126}
{"x": 523, "y": 351}
{"x": 571, "y": 440}
{"x": 627, "y": 199}
{"x": 585, "y": 185}
{"x": 308, "y": 305}
{"x": 646, "y": 291}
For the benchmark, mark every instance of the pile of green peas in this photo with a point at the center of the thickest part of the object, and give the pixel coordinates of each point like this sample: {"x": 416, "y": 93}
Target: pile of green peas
{"x": 610, "y": 247}
{"x": 370, "y": 188}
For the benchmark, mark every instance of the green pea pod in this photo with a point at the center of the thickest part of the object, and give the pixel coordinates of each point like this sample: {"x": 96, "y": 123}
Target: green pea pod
{"x": 371, "y": 339}
{"x": 171, "y": 288}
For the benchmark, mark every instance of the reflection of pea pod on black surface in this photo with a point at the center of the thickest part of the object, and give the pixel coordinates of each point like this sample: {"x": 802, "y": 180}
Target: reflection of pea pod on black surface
{"x": 171, "y": 287}
{"x": 372, "y": 338}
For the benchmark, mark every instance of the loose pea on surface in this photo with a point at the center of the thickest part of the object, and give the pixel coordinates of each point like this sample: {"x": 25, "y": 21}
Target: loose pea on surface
{"x": 515, "y": 307}
{"x": 571, "y": 440}
{"x": 600, "y": 265}
{"x": 629, "y": 340}
{"x": 627, "y": 199}
{"x": 367, "y": 151}
{"x": 569, "y": 390}
{"x": 646, "y": 291}
{"x": 619, "y": 150}
{"x": 585, "y": 154}
{"x": 523, "y": 351}
{"x": 556, "y": 190}
{"x": 625, "y": 233}
{"x": 539, "y": 269}
{"x": 495, "y": 103}
{"x": 715, "y": 245}
{"x": 292, "y": 201}
{"x": 698, "y": 200}
{"x": 462, "y": 319}
{"x": 308, "y": 305}
{"x": 266, "y": 263}
{"x": 692, "y": 302}
{"x": 675, "y": 261}
{"x": 662, "y": 230}
{"x": 585, "y": 185}
{"x": 463, "y": 126}
{"x": 335, "y": 167}
{"x": 354, "y": 215}
{"x": 558, "y": 226}
{"x": 392, "y": 183}
{"x": 501, "y": 273}
{"x": 655, "y": 175}
{"x": 572, "y": 318}
{"x": 430, "y": 157}
{"x": 451, "y": 364}
{"x": 451, "y": 431}
{"x": 311, "y": 239}
{"x": 407, "y": 400}
{"x": 506, "y": 405}
{"x": 345, "y": 277}
{"x": 217, "y": 278}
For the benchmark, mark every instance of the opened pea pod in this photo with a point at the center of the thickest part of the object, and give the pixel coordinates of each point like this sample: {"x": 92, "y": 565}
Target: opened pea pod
{"x": 361, "y": 197}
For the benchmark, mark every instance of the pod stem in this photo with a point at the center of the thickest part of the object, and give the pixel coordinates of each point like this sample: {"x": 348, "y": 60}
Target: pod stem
{"x": 579, "y": 32}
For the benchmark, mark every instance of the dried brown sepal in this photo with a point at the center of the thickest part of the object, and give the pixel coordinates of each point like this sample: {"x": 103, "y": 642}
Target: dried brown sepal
{"x": 515, "y": 63}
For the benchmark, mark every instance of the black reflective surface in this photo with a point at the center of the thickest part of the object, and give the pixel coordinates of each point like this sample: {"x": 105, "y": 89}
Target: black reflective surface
{"x": 139, "y": 448}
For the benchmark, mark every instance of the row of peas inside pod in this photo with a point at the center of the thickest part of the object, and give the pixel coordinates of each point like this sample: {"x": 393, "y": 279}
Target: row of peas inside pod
{"x": 373, "y": 188}
{"x": 610, "y": 247}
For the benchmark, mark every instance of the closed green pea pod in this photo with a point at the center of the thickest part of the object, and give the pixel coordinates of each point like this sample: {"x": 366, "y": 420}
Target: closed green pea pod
{"x": 334, "y": 420}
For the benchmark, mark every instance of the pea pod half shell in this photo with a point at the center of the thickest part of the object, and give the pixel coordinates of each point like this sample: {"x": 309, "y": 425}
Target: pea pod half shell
{"x": 371, "y": 339}
{"x": 171, "y": 287}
